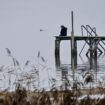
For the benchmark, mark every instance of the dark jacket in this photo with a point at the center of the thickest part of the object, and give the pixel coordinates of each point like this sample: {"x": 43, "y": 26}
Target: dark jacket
{"x": 63, "y": 31}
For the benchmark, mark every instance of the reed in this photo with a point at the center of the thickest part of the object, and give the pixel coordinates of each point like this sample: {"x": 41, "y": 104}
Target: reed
{"x": 27, "y": 86}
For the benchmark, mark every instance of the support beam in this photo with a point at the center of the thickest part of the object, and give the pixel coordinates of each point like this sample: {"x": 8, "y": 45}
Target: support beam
{"x": 91, "y": 54}
{"x": 57, "y": 53}
{"x": 75, "y": 54}
{"x": 95, "y": 48}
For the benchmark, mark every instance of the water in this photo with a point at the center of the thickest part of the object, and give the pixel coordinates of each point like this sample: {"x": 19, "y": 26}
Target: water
{"x": 81, "y": 73}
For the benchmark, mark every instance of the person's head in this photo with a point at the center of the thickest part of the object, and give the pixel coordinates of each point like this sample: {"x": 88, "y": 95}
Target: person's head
{"x": 62, "y": 26}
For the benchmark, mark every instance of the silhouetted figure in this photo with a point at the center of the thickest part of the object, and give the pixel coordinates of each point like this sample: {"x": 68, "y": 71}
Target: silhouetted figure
{"x": 63, "y": 31}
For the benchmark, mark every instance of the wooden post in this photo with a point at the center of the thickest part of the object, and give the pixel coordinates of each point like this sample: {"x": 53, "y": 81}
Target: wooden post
{"x": 95, "y": 58}
{"x": 91, "y": 54}
{"x": 75, "y": 54}
{"x": 57, "y": 53}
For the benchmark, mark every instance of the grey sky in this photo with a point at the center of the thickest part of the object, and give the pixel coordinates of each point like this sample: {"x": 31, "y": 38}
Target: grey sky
{"x": 21, "y": 21}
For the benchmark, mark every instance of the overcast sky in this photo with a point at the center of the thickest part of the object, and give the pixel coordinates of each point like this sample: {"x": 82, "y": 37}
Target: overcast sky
{"x": 21, "y": 21}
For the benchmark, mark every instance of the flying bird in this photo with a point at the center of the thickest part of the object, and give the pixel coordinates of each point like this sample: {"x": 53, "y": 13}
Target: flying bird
{"x": 41, "y": 30}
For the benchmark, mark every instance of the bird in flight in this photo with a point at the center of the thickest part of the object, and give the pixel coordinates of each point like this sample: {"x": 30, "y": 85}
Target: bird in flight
{"x": 41, "y": 30}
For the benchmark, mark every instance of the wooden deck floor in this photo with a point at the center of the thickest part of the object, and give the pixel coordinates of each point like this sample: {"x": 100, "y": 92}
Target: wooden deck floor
{"x": 80, "y": 37}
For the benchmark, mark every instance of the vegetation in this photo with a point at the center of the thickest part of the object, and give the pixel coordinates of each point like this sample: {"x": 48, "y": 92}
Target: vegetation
{"x": 25, "y": 89}
{"x": 53, "y": 97}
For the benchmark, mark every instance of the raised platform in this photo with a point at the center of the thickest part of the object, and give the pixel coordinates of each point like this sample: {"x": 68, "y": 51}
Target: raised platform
{"x": 79, "y": 37}
{"x": 92, "y": 41}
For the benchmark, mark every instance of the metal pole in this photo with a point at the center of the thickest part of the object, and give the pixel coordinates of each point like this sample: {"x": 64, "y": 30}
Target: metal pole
{"x": 72, "y": 22}
{"x": 72, "y": 46}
